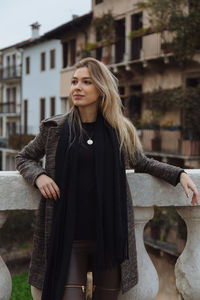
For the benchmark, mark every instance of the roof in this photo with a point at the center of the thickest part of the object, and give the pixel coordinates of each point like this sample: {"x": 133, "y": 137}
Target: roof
{"x": 17, "y": 45}
{"x": 32, "y": 41}
{"x": 57, "y": 32}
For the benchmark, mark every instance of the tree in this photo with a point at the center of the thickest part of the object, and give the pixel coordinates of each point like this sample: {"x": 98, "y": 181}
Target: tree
{"x": 182, "y": 19}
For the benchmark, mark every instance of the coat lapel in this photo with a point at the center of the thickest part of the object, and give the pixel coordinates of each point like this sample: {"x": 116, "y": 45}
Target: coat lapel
{"x": 52, "y": 143}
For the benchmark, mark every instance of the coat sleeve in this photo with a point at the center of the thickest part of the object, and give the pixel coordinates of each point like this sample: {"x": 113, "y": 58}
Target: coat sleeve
{"x": 27, "y": 160}
{"x": 164, "y": 171}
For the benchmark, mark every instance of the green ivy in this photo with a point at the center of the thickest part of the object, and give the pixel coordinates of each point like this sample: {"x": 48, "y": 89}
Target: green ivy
{"x": 187, "y": 100}
{"x": 105, "y": 25}
{"x": 184, "y": 24}
{"x": 138, "y": 33}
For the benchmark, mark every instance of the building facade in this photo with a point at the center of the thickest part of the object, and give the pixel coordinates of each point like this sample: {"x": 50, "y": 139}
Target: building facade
{"x": 30, "y": 85}
{"x": 10, "y": 105}
{"x": 40, "y": 83}
{"x": 142, "y": 65}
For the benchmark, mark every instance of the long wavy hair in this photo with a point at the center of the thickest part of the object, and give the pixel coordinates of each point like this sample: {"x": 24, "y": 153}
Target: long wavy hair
{"x": 110, "y": 106}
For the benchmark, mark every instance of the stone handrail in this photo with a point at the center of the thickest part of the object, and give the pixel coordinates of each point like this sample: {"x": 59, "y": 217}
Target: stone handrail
{"x": 146, "y": 191}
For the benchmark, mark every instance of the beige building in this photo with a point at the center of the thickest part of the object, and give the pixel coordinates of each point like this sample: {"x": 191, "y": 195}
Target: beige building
{"x": 141, "y": 65}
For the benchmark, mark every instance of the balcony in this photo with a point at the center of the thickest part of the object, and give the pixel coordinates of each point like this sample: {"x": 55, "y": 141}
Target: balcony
{"x": 8, "y": 107}
{"x": 169, "y": 141}
{"x": 147, "y": 191}
{"x": 9, "y": 73}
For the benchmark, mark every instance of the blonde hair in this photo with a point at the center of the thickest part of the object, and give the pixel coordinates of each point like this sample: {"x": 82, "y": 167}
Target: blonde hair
{"x": 110, "y": 106}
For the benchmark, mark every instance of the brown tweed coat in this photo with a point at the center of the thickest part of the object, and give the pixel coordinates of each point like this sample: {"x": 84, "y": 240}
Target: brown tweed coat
{"x": 27, "y": 163}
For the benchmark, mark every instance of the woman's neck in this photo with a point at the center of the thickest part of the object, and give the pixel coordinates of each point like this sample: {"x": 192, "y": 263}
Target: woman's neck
{"x": 88, "y": 116}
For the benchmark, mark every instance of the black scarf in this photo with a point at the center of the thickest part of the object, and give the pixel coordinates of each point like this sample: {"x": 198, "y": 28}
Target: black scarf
{"x": 111, "y": 205}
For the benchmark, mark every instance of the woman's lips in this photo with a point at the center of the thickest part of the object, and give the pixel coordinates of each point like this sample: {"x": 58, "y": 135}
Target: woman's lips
{"x": 78, "y": 96}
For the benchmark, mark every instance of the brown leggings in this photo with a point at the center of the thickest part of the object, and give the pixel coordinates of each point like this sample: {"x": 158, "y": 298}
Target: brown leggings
{"x": 106, "y": 284}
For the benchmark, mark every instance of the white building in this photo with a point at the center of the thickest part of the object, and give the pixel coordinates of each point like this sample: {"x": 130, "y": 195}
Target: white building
{"x": 30, "y": 89}
{"x": 41, "y": 65}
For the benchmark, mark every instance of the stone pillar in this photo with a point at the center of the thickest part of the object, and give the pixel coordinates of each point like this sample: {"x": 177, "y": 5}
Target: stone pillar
{"x": 127, "y": 53}
{"x": 148, "y": 284}
{"x": 187, "y": 268}
{"x": 5, "y": 278}
{"x": 3, "y": 160}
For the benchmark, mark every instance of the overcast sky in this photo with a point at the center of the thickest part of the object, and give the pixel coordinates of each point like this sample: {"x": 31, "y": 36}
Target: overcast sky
{"x": 17, "y": 15}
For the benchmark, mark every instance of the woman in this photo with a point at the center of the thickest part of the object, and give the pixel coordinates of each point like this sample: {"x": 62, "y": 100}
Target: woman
{"x": 85, "y": 219}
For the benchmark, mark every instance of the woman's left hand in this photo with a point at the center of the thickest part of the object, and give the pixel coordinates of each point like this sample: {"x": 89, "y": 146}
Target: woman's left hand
{"x": 187, "y": 184}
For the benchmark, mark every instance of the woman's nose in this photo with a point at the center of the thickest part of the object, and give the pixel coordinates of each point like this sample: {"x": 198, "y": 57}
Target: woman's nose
{"x": 78, "y": 86}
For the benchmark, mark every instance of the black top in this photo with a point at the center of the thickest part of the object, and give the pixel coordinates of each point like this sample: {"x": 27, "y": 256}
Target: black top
{"x": 85, "y": 212}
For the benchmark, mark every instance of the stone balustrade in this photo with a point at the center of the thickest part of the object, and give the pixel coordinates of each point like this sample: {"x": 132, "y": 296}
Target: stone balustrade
{"x": 147, "y": 191}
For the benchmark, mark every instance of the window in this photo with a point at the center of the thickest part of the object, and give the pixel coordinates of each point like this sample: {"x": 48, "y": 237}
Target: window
{"x": 193, "y": 4}
{"x": 13, "y": 100}
{"x": 193, "y": 82}
{"x": 42, "y": 61}
{"x": 72, "y": 52}
{"x": 25, "y": 116}
{"x": 14, "y": 70}
{"x": 52, "y": 59}
{"x": 65, "y": 54}
{"x": 42, "y": 109}
{"x": 8, "y": 95}
{"x": 14, "y": 94}
{"x": 135, "y": 103}
{"x": 98, "y": 1}
{"x": 122, "y": 94}
{"x": 8, "y": 66}
{"x": 136, "y": 43}
{"x": 120, "y": 44}
{"x": 52, "y": 106}
{"x": 27, "y": 65}
{"x": 8, "y": 61}
{"x": 99, "y": 49}
{"x": 14, "y": 60}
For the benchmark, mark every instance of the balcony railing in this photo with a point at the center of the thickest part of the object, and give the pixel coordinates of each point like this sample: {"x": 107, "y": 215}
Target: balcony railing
{"x": 158, "y": 141}
{"x": 147, "y": 191}
{"x": 10, "y": 72}
{"x": 8, "y": 107}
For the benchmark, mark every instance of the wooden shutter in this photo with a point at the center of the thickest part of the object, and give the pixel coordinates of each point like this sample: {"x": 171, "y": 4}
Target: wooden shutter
{"x": 25, "y": 116}
{"x": 52, "y": 106}
{"x": 42, "y": 109}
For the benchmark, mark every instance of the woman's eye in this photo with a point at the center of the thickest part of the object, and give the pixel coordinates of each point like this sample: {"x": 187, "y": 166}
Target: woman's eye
{"x": 87, "y": 82}
{"x": 74, "y": 82}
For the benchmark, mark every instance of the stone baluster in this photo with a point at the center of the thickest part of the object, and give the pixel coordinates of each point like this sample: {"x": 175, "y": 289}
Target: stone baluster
{"x": 148, "y": 284}
{"x": 187, "y": 269}
{"x": 5, "y": 278}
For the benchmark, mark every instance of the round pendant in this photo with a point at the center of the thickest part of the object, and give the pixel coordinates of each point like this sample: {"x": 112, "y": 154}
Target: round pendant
{"x": 89, "y": 142}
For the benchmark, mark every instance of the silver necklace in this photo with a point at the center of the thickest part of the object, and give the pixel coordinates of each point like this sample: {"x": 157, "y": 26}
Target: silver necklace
{"x": 90, "y": 140}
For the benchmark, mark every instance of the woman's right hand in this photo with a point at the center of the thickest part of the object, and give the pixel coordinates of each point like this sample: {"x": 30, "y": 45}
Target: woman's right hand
{"x": 47, "y": 187}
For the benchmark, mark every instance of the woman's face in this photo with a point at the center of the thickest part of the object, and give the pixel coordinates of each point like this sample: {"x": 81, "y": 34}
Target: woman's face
{"x": 83, "y": 91}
